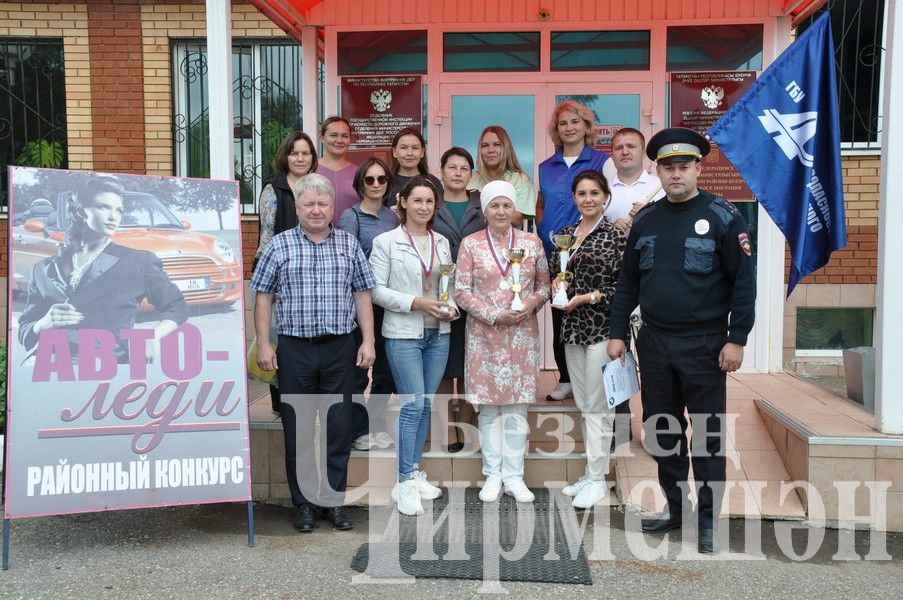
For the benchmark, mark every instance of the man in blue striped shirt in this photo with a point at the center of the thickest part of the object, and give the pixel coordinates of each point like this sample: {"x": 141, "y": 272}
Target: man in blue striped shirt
{"x": 321, "y": 281}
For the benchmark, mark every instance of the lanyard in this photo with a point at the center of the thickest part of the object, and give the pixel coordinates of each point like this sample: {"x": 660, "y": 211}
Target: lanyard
{"x": 427, "y": 268}
{"x": 495, "y": 254}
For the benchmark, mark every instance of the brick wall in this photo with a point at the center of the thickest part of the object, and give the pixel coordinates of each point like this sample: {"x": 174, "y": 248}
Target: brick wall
{"x": 249, "y": 239}
{"x": 70, "y": 23}
{"x": 858, "y": 262}
{"x": 117, "y": 91}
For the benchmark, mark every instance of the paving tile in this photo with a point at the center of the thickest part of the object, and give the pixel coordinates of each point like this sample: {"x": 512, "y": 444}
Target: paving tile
{"x": 276, "y": 450}
{"x": 641, "y": 466}
{"x": 823, "y": 472}
{"x": 740, "y": 500}
{"x": 545, "y": 473}
{"x": 468, "y": 470}
{"x": 850, "y": 451}
{"x": 643, "y": 493}
{"x": 763, "y": 465}
{"x": 894, "y": 518}
{"x": 796, "y": 458}
{"x": 890, "y": 469}
{"x": 260, "y": 457}
{"x": 770, "y": 505}
{"x": 753, "y": 437}
{"x": 889, "y": 451}
{"x": 438, "y": 470}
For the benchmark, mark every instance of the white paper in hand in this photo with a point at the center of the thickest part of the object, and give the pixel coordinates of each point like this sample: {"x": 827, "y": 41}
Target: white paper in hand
{"x": 621, "y": 381}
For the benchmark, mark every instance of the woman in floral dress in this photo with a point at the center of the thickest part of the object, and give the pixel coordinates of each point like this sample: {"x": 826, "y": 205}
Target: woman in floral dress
{"x": 502, "y": 356}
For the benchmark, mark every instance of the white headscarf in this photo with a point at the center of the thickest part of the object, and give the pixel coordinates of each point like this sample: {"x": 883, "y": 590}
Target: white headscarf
{"x": 495, "y": 189}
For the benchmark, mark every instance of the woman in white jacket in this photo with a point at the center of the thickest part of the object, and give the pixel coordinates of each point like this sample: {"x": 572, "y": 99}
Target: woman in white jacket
{"x": 406, "y": 264}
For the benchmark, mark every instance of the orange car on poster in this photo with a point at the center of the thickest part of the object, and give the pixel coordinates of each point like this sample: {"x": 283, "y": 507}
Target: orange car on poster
{"x": 203, "y": 266}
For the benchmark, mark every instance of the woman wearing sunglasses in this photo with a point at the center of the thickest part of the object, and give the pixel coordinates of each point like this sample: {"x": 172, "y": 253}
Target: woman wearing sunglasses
{"x": 365, "y": 221}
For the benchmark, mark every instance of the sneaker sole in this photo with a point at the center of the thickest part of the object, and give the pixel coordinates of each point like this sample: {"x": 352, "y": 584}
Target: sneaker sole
{"x": 598, "y": 500}
{"x": 507, "y": 493}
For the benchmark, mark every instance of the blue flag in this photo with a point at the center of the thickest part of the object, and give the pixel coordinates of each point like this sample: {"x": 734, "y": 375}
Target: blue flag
{"x": 784, "y": 138}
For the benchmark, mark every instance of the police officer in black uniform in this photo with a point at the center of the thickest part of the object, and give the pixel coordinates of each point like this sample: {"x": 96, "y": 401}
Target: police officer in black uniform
{"x": 688, "y": 264}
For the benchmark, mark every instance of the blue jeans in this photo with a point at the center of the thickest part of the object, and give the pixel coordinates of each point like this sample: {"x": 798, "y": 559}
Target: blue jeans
{"x": 417, "y": 367}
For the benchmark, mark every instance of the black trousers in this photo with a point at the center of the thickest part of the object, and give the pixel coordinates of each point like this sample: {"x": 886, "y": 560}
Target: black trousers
{"x": 558, "y": 346}
{"x": 315, "y": 380}
{"x": 682, "y": 373}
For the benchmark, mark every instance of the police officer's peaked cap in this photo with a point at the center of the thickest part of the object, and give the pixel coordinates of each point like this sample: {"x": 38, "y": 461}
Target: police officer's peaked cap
{"x": 677, "y": 144}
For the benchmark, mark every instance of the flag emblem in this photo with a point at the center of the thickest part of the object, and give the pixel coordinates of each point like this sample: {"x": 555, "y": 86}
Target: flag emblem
{"x": 783, "y": 137}
{"x": 745, "y": 244}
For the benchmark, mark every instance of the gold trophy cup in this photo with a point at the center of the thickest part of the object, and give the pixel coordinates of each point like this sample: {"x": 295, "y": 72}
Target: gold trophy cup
{"x": 564, "y": 242}
{"x": 445, "y": 271}
{"x": 516, "y": 257}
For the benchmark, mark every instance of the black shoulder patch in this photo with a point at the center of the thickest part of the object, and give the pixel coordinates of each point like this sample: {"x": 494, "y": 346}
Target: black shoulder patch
{"x": 724, "y": 209}
{"x": 650, "y": 206}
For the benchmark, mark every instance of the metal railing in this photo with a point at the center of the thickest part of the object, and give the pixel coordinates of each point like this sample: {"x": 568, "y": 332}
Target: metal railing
{"x": 266, "y": 88}
{"x": 32, "y": 106}
{"x": 858, "y": 28}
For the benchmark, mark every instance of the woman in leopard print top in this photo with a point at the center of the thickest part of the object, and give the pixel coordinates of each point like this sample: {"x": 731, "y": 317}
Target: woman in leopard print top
{"x": 595, "y": 262}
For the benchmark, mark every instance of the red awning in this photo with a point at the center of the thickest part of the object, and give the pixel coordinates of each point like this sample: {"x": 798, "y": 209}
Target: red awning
{"x": 290, "y": 15}
{"x": 797, "y": 10}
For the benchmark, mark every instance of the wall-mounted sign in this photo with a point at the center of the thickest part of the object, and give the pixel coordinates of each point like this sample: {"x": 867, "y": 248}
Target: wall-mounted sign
{"x": 377, "y": 106}
{"x": 697, "y": 101}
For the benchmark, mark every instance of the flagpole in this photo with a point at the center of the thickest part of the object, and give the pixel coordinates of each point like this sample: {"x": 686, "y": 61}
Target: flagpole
{"x": 889, "y": 316}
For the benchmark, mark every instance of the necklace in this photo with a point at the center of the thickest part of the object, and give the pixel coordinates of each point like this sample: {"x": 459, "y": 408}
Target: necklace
{"x": 78, "y": 270}
{"x": 575, "y": 250}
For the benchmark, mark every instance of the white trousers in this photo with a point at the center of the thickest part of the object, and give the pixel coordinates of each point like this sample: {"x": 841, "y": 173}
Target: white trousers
{"x": 503, "y": 440}
{"x": 597, "y": 420}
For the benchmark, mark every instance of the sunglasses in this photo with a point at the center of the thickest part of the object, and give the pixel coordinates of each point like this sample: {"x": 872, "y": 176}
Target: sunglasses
{"x": 371, "y": 180}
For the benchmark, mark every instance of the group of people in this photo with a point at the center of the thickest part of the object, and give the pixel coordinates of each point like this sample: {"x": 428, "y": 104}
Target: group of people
{"x": 416, "y": 279}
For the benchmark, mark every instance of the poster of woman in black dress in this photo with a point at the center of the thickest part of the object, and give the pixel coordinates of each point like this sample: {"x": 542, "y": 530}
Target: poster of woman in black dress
{"x": 95, "y": 283}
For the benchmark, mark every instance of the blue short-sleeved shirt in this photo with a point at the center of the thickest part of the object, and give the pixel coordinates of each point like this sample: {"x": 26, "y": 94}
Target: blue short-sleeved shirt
{"x": 555, "y": 179}
{"x": 313, "y": 282}
{"x": 365, "y": 226}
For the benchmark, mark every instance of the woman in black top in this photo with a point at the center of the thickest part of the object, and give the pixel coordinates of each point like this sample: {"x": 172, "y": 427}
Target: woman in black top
{"x": 295, "y": 158}
{"x": 408, "y": 161}
{"x": 459, "y": 215}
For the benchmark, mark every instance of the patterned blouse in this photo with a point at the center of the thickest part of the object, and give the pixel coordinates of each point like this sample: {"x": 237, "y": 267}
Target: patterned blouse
{"x": 595, "y": 264}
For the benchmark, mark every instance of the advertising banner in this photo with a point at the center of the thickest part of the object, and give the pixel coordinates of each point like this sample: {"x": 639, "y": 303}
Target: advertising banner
{"x": 127, "y": 382}
{"x": 698, "y": 99}
{"x": 377, "y": 106}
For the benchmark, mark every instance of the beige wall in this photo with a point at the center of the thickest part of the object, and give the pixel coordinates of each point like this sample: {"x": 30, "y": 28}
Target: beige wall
{"x": 69, "y": 22}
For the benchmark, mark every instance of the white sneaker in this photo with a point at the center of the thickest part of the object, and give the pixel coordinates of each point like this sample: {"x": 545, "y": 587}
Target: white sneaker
{"x": 407, "y": 496}
{"x": 561, "y": 391}
{"x": 574, "y": 489}
{"x": 382, "y": 440}
{"x": 365, "y": 442}
{"x": 519, "y": 490}
{"x": 427, "y": 490}
{"x": 592, "y": 493}
{"x": 492, "y": 489}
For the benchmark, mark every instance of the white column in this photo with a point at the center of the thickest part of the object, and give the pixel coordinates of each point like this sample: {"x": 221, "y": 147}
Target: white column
{"x": 889, "y": 322}
{"x": 770, "y": 288}
{"x": 310, "y": 92}
{"x": 219, "y": 88}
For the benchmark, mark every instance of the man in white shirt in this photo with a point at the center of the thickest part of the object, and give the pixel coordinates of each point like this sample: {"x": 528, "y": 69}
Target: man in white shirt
{"x": 633, "y": 186}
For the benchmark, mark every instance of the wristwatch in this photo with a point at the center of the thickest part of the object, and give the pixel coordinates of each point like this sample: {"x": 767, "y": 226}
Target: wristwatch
{"x": 592, "y": 297}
